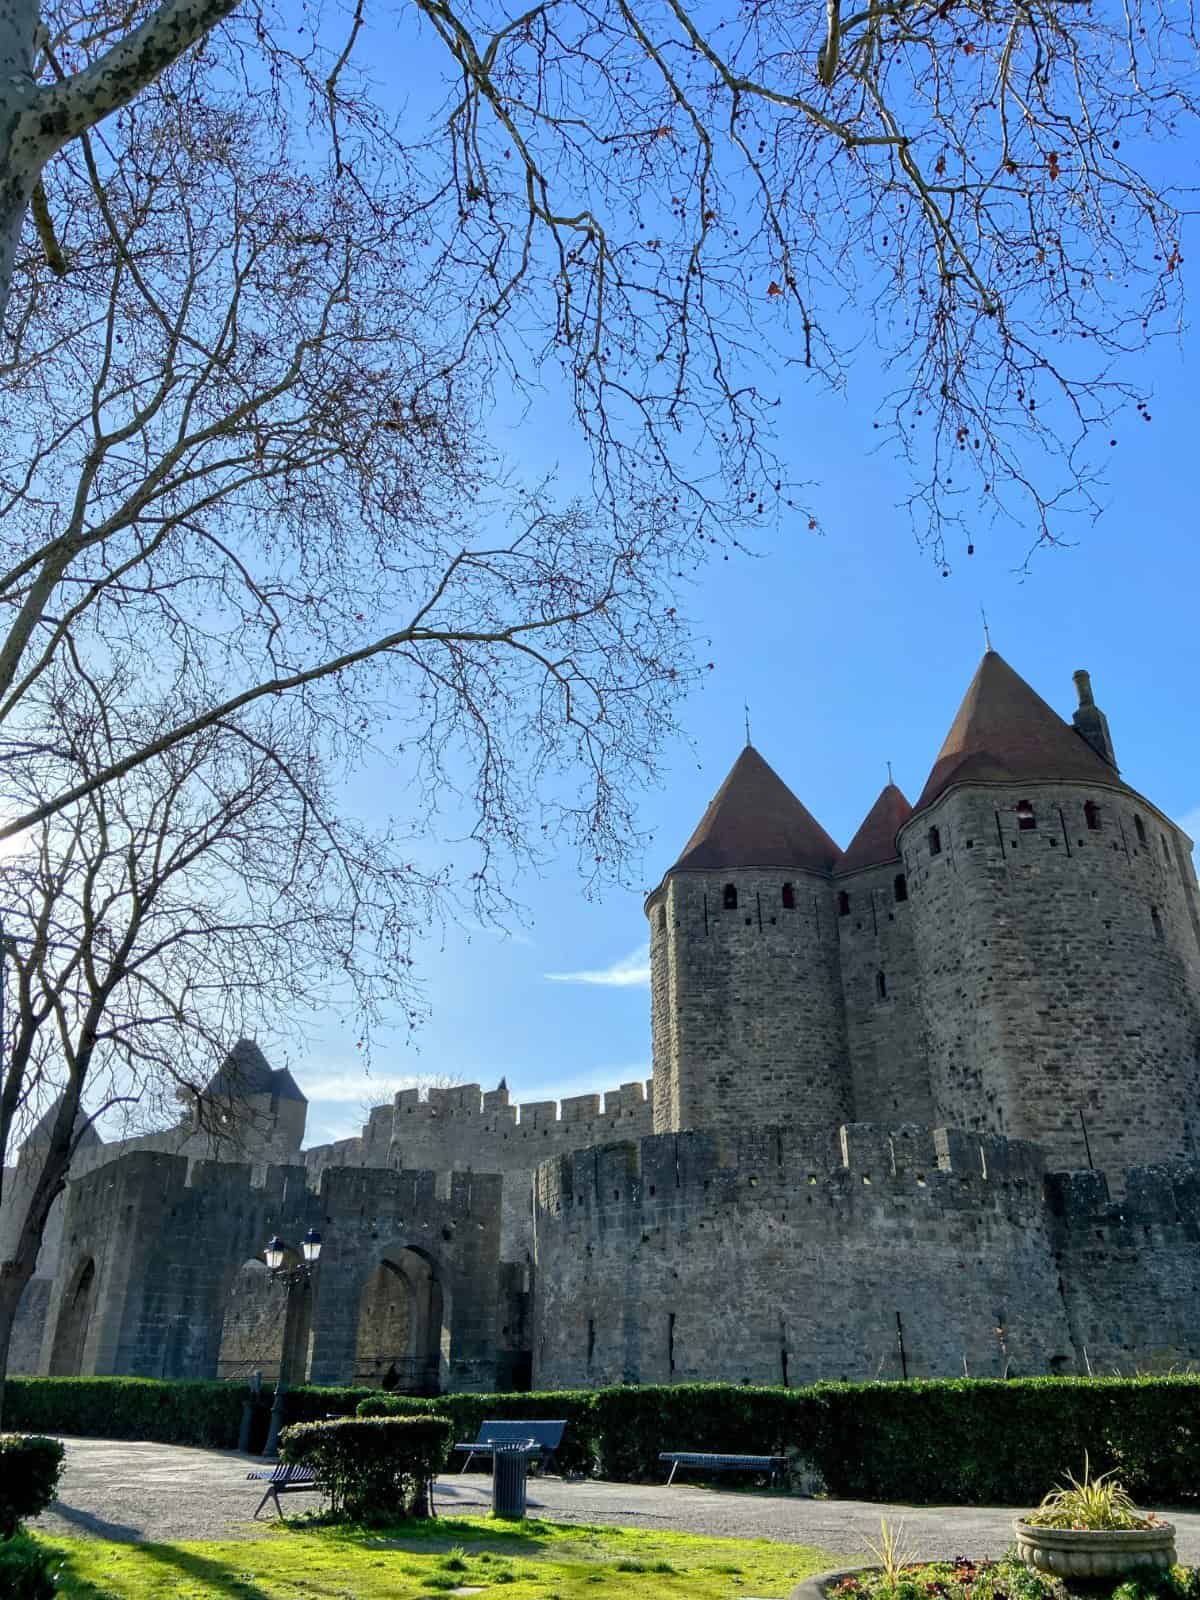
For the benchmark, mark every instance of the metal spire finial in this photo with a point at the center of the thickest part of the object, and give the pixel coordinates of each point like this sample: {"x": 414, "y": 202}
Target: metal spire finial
{"x": 987, "y": 633}
{"x": 890, "y": 778}
{"x": 746, "y": 709}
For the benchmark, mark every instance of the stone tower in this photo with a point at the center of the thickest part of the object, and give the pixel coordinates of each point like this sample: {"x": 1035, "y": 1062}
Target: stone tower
{"x": 889, "y": 1068}
{"x": 746, "y": 1005}
{"x": 1056, "y": 930}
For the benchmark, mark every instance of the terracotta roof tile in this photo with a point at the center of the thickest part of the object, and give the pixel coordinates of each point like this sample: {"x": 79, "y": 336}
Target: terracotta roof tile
{"x": 1006, "y": 733}
{"x": 875, "y": 841}
{"x": 754, "y": 820}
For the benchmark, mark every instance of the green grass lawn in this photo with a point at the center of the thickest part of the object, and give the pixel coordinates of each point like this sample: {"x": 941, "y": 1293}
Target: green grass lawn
{"x": 515, "y": 1561}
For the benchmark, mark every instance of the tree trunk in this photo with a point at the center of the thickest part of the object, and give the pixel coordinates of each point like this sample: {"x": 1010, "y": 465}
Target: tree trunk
{"x": 14, "y": 1275}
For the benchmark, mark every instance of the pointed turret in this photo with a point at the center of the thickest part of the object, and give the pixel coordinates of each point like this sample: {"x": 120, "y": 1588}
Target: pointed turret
{"x": 1006, "y": 733}
{"x": 754, "y": 820}
{"x": 875, "y": 841}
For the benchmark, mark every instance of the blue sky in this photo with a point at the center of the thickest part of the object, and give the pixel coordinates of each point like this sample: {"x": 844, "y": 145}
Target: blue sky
{"x": 851, "y": 649}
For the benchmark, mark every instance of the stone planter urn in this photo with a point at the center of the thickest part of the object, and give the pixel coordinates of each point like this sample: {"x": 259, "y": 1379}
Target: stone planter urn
{"x": 1095, "y": 1552}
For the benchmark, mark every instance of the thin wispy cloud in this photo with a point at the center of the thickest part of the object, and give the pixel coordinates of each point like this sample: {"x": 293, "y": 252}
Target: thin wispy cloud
{"x": 630, "y": 972}
{"x": 354, "y": 1088}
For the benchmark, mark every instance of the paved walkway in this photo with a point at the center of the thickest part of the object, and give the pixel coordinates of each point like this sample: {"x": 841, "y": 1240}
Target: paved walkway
{"x": 113, "y": 1489}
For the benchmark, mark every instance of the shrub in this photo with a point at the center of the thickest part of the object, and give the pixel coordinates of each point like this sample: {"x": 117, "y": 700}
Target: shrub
{"x": 30, "y": 1468}
{"x": 466, "y": 1412}
{"x": 372, "y": 1467}
{"x": 26, "y": 1569}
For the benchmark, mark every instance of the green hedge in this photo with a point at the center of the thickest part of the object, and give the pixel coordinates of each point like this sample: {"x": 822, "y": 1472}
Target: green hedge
{"x": 956, "y": 1441}
{"x": 28, "y": 1569}
{"x": 372, "y": 1467}
{"x": 30, "y": 1467}
{"x": 171, "y": 1412}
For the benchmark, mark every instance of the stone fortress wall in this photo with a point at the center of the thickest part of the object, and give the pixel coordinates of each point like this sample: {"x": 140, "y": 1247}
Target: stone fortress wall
{"x": 785, "y": 1255}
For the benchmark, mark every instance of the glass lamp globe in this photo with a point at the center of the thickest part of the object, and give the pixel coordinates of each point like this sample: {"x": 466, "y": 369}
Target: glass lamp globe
{"x": 274, "y": 1253}
{"x": 310, "y": 1246}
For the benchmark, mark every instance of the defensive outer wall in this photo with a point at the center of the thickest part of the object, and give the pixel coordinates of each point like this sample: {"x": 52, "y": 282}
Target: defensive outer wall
{"x": 784, "y": 1255}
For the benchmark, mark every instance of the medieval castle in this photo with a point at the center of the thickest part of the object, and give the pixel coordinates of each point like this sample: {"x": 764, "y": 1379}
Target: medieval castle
{"x": 923, "y": 1106}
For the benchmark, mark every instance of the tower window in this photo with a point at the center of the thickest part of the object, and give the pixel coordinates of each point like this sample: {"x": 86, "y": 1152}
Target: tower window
{"x": 935, "y": 841}
{"x": 1157, "y": 921}
{"x": 1091, "y": 813}
{"x": 1141, "y": 829}
{"x": 843, "y": 903}
{"x": 662, "y": 919}
{"x": 900, "y": 887}
{"x": 881, "y": 985}
{"x": 1166, "y": 847}
{"x": 729, "y": 899}
{"x": 789, "y": 897}
{"x": 1025, "y": 816}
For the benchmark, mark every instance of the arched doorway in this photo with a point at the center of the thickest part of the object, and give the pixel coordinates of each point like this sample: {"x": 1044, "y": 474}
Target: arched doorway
{"x": 70, "y": 1336}
{"x": 403, "y": 1325}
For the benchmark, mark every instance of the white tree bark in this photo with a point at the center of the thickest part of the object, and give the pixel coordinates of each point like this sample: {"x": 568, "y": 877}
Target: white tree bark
{"x": 36, "y": 119}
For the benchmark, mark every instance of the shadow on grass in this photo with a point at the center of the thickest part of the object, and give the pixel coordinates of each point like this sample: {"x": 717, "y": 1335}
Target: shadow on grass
{"x": 213, "y": 1577}
{"x": 433, "y": 1537}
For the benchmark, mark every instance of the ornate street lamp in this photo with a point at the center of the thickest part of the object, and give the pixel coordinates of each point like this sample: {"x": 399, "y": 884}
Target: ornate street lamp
{"x": 292, "y": 1277}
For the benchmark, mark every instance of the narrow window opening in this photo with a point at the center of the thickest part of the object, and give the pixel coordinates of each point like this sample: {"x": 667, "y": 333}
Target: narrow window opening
{"x": 900, "y": 887}
{"x": 1091, "y": 814}
{"x": 881, "y": 985}
{"x": 1166, "y": 847}
{"x": 1157, "y": 921}
{"x": 670, "y": 1341}
{"x": 1141, "y": 829}
{"x": 1025, "y": 816}
{"x": 843, "y": 903}
{"x": 935, "y": 841}
{"x": 783, "y": 1366}
{"x": 591, "y": 1340}
{"x": 789, "y": 897}
{"x": 662, "y": 919}
{"x": 729, "y": 899}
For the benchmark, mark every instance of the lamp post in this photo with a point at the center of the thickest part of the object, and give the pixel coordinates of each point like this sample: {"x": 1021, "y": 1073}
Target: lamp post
{"x": 293, "y": 1278}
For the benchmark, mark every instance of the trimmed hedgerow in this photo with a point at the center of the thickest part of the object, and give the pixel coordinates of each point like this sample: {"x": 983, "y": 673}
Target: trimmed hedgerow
{"x": 372, "y": 1467}
{"x": 955, "y": 1440}
{"x": 165, "y": 1410}
{"x": 30, "y": 1468}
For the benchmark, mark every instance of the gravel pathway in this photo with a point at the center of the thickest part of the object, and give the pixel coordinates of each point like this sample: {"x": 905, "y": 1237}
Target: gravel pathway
{"x": 114, "y": 1489}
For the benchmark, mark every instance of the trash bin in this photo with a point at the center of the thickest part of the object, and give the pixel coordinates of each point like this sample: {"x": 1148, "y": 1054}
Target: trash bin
{"x": 510, "y": 1470}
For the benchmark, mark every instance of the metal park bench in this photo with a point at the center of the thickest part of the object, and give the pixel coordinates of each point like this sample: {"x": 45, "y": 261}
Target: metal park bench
{"x": 283, "y": 1479}
{"x": 711, "y": 1462}
{"x": 543, "y": 1439}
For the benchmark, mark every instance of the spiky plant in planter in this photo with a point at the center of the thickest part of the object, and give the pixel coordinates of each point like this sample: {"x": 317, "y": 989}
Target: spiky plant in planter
{"x": 1090, "y": 1527}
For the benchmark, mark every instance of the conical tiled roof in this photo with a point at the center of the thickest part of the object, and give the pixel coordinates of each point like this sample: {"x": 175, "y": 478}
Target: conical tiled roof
{"x": 83, "y": 1131}
{"x": 754, "y": 820}
{"x": 875, "y": 841}
{"x": 246, "y": 1071}
{"x": 1006, "y": 733}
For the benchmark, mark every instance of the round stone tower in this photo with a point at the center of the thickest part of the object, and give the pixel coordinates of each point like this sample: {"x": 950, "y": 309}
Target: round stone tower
{"x": 747, "y": 1016}
{"x": 1056, "y": 927}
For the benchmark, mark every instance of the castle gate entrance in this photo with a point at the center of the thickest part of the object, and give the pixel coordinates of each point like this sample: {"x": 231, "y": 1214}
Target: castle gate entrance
{"x": 403, "y": 1325}
{"x": 70, "y": 1337}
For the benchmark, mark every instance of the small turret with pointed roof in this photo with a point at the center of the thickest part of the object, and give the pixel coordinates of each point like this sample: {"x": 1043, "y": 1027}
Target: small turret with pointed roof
{"x": 754, "y": 820}
{"x": 875, "y": 841}
{"x": 747, "y": 1012}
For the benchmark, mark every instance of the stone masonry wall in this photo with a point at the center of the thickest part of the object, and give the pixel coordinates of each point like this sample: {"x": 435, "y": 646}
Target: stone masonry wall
{"x": 885, "y": 1023}
{"x": 463, "y": 1129}
{"x": 785, "y": 1255}
{"x": 1060, "y": 972}
{"x": 167, "y": 1238}
{"x": 748, "y": 1022}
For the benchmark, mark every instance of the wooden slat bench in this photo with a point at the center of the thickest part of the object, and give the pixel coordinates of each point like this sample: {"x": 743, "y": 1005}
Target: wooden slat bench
{"x": 710, "y": 1461}
{"x": 283, "y": 1479}
{"x": 545, "y": 1437}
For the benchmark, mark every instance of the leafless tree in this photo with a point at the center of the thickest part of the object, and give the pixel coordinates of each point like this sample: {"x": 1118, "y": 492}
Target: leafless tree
{"x": 638, "y": 194}
{"x": 236, "y": 444}
{"x": 209, "y": 894}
